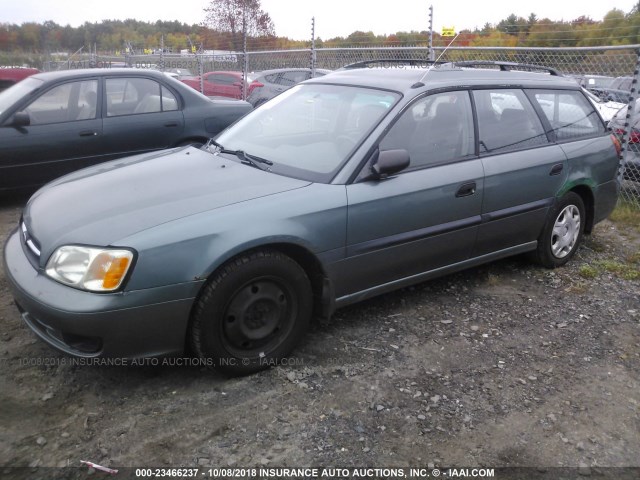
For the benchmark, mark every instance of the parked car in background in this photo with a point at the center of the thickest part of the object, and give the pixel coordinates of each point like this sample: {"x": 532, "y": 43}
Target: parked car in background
{"x": 56, "y": 122}
{"x": 607, "y": 109}
{"x": 632, "y": 153}
{"x": 622, "y": 83}
{"x": 179, "y": 73}
{"x": 11, "y": 75}
{"x": 618, "y": 91}
{"x": 218, "y": 84}
{"x": 595, "y": 81}
{"x": 346, "y": 187}
{"x": 267, "y": 84}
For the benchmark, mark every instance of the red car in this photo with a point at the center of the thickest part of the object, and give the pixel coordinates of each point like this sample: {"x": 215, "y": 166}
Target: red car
{"x": 219, "y": 84}
{"x": 11, "y": 75}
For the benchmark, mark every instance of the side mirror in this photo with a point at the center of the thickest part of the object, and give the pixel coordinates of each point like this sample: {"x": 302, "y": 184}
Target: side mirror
{"x": 390, "y": 162}
{"x": 21, "y": 119}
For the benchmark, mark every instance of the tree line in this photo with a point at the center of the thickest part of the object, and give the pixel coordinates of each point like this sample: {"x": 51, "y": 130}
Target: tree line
{"x": 225, "y": 33}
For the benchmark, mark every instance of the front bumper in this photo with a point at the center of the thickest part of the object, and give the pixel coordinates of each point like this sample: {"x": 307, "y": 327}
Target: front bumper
{"x": 141, "y": 323}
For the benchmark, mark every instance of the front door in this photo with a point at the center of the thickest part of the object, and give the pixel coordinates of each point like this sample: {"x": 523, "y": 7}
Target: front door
{"x": 427, "y": 216}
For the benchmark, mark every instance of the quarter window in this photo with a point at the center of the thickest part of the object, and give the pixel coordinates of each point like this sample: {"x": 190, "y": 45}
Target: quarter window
{"x": 434, "y": 130}
{"x": 570, "y": 114}
{"x": 507, "y": 121}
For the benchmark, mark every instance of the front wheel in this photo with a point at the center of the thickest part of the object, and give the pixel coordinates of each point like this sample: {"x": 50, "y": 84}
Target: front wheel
{"x": 562, "y": 231}
{"x": 252, "y": 313}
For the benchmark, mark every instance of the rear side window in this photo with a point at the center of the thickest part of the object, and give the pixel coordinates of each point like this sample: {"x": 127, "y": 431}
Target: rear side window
{"x": 569, "y": 113}
{"x": 127, "y": 96}
{"x": 507, "y": 121}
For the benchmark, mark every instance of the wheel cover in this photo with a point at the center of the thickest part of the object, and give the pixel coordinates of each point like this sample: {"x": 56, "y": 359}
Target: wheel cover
{"x": 566, "y": 231}
{"x": 258, "y": 317}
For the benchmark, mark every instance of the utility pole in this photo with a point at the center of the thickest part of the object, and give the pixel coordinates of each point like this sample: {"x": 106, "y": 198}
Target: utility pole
{"x": 313, "y": 47}
{"x": 162, "y": 53}
{"x": 245, "y": 66}
{"x": 431, "y": 52}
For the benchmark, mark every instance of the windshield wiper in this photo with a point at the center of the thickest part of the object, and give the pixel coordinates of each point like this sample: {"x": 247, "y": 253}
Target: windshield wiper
{"x": 244, "y": 157}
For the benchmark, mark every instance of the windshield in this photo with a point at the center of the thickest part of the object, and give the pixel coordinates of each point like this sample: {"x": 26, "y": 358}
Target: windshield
{"x": 14, "y": 93}
{"x": 309, "y": 131}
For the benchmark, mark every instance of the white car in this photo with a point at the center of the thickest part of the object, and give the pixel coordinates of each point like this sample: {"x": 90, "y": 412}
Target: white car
{"x": 606, "y": 109}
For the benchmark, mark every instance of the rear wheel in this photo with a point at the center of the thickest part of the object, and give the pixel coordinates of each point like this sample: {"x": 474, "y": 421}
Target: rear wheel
{"x": 562, "y": 232}
{"x": 252, "y": 313}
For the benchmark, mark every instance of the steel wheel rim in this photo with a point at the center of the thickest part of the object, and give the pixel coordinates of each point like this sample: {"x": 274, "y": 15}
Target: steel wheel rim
{"x": 258, "y": 317}
{"x": 566, "y": 231}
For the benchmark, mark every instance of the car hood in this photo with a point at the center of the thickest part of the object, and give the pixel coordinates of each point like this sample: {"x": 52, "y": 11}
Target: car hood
{"x": 108, "y": 202}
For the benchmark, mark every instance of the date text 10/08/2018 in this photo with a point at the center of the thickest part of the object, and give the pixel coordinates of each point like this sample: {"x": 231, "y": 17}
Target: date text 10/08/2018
{"x": 315, "y": 472}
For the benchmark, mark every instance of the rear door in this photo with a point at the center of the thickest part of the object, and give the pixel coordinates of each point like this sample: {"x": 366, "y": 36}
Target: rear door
{"x": 140, "y": 115}
{"x": 65, "y": 134}
{"x": 523, "y": 170}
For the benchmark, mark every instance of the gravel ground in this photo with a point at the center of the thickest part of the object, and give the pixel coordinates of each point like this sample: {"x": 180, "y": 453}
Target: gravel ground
{"x": 504, "y": 365}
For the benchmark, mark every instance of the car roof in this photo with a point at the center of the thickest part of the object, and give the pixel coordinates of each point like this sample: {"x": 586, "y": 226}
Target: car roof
{"x": 405, "y": 79}
{"x": 293, "y": 69}
{"x": 93, "y": 72}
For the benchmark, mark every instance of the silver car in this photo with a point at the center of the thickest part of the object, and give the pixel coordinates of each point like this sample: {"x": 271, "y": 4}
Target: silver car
{"x": 267, "y": 84}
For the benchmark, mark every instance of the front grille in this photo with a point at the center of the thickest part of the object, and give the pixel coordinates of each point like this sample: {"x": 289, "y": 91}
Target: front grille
{"x": 29, "y": 241}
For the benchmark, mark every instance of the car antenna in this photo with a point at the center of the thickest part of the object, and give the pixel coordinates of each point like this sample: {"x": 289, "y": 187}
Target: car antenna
{"x": 437, "y": 59}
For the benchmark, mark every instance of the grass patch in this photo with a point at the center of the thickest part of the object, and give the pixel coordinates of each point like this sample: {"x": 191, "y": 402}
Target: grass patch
{"x": 612, "y": 267}
{"x": 626, "y": 213}
{"x": 631, "y": 274}
{"x": 634, "y": 258}
{"x": 594, "y": 244}
{"x": 628, "y": 271}
{"x": 589, "y": 272}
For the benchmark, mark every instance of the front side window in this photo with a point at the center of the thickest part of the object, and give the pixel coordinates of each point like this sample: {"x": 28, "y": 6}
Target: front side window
{"x": 570, "y": 114}
{"x": 65, "y": 103}
{"x": 507, "y": 121}
{"x": 434, "y": 130}
{"x": 309, "y": 131}
{"x": 17, "y": 92}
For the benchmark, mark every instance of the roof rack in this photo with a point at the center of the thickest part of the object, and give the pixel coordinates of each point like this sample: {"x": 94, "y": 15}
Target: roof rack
{"x": 507, "y": 66}
{"x": 414, "y": 62}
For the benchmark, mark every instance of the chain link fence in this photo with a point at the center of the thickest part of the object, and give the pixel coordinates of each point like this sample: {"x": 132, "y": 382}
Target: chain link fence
{"x": 602, "y": 63}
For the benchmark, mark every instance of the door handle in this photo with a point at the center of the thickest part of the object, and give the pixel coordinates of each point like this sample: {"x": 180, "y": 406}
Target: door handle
{"x": 87, "y": 133}
{"x": 556, "y": 169}
{"x": 171, "y": 124}
{"x": 466, "y": 189}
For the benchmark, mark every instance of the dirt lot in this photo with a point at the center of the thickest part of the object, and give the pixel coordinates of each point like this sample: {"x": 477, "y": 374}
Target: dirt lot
{"x": 504, "y": 365}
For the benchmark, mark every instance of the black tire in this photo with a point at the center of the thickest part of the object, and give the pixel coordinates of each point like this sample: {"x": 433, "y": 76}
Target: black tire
{"x": 562, "y": 232}
{"x": 252, "y": 313}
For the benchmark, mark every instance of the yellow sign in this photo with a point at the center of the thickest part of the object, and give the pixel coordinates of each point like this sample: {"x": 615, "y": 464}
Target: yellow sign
{"x": 448, "y": 31}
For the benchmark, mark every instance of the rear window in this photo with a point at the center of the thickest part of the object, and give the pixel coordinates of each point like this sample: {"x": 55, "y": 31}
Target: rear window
{"x": 570, "y": 114}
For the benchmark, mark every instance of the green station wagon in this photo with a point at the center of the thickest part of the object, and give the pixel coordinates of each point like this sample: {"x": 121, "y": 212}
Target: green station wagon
{"x": 344, "y": 187}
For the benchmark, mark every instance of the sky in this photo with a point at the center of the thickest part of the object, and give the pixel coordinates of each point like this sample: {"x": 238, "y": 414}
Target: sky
{"x": 292, "y": 18}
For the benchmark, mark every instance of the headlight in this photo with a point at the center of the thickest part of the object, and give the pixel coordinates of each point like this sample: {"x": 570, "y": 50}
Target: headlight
{"x": 93, "y": 269}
